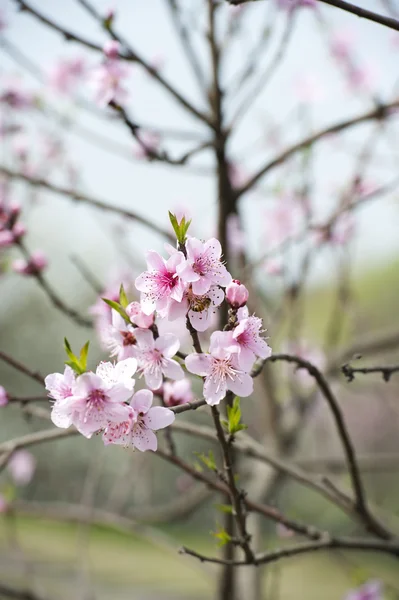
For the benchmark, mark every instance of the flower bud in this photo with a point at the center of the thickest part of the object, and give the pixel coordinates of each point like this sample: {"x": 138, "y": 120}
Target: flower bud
{"x": 111, "y": 49}
{"x": 3, "y": 397}
{"x": 137, "y": 317}
{"x": 236, "y": 294}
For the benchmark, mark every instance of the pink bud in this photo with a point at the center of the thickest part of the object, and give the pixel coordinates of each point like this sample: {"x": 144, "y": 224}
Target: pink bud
{"x": 3, "y": 396}
{"x": 18, "y": 231}
{"x": 111, "y": 49}
{"x": 35, "y": 265}
{"x": 15, "y": 209}
{"x": 136, "y": 315}
{"x": 6, "y": 238}
{"x": 38, "y": 260}
{"x": 22, "y": 466}
{"x": 236, "y": 294}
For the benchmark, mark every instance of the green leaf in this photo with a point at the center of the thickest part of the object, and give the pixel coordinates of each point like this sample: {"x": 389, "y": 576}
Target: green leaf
{"x": 83, "y": 356}
{"x": 224, "y": 508}
{"x": 234, "y": 417}
{"x": 181, "y": 228}
{"x": 119, "y": 309}
{"x": 122, "y": 297}
{"x": 222, "y": 536}
{"x": 207, "y": 460}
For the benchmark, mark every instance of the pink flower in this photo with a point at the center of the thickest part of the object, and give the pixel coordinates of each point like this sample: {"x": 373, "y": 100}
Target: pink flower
{"x": 284, "y": 532}
{"x": 138, "y": 317}
{"x": 119, "y": 337}
{"x": 177, "y": 392}
{"x": 138, "y": 429}
{"x": 236, "y": 294}
{"x": 155, "y": 357}
{"x": 247, "y": 336}
{"x": 21, "y": 466}
{"x": 203, "y": 266}
{"x": 6, "y": 238}
{"x": 284, "y": 220}
{"x": 65, "y": 75}
{"x": 362, "y": 79}
{"x": 200, "y": 309}
{"x": 342, "y": 43}
{"x": 274, "y": 266}
{"x": 160, "y": 282}
{"x": 220, "y": 368}
{"x": 107, "y": 82}
{"x": 3, "y": 396}
{"x": 112, "y": 49}
{"x": 95, "y": 399}
{"x": 14, "y": 96}
{"x": 33, "y": 266}
{"x": 338, "y": 233}
{"x": 371, "y": 590}
{"x": 59, "y": 385}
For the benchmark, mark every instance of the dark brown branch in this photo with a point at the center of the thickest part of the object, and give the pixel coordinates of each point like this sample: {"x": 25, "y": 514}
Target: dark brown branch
{"x": 17, "y": 594}
{"x": 386, "y": 372}
{"x": 21, "y": 368}
{"x": 381, "y": 112}
{"x": 52, "y": 294}
{"x": 235, "y": 495}
{"x": 80, "y": 197}
{"x": 343, "y": 543}
{"x": 360, "y": 497}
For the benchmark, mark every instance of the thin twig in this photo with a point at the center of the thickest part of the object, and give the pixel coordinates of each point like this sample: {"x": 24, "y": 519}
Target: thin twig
{"x": 386, "y": 372}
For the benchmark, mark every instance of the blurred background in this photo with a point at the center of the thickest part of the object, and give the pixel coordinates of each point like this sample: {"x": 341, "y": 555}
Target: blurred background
{"x": 315, "y": 237}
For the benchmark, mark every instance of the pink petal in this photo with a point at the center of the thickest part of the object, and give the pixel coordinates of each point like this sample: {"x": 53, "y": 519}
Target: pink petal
{"x": 242, "y": 386}
{"x": 144, "y": 439}
{"x": 142, "y": 401}
{"x": 202, "y": 286}
{"x": 158, "y": 417}
{"x": 119, "y": 393}
{"x": 213, "y": 248}
{"x": 172, "y": 369}
{"x": 194, "y": 248}
{"x": 167, "y": 344}
{"x": 145, "y": 339}
{"x": 155, "y": 262}
{"x": 214, "y": 390}
{"x": 222, "y": 277}
{"x": 174, "y": 261}
{"x": 199, "y": 364}
{"x": 153, "y": 377}
{"x": 187, "y": 273}
{"x": 177, "y": 310}
{"x": 201, "y": 320}
{"x": 216, "y": 295}
{"x": 246, "y": 359}
{"x": 147, "y": 304}
{"x": 142, "y": 282}
{"x": 86, "y": 383}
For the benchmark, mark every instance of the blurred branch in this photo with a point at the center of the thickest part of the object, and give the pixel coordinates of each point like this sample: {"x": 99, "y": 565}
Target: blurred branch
{"x": 268, "y": 73}
{"x": 9, "y": 592}
{"x": 367, "y": 345}
{"x": 361, "y": 506}
{"x": 386, "y": 372}
{"x": 21, "y": 368}
{"x": 381, "y": 112}
{"x": 52, "y": 294}
{"x": 130, "y": 54}
{"x": 188, "y": 49}
{"x": 372, "y": 463}
{"x": 322, "y": 544}
{"x": 80, "y": 197}
{"x": 347, "y": 7}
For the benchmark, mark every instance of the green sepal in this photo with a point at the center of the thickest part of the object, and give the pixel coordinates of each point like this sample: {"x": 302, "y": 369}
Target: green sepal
{"x": 79, "y": 365}
{"x": 123, "y": 301}
{"x": 234, "y": 417}
{"x": 222, "y": 536}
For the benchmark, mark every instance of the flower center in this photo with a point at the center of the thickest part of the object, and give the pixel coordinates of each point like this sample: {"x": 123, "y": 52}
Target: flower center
{"x": 96, "y": 400}
{"x": 129, "y": 338}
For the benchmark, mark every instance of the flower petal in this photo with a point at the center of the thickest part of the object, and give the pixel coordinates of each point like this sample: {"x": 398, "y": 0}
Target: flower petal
{"x": 145, "y": 339}
{"x": 242, "y": 386}
{"x": 199, "y": 364}
{"x": 172, "y": 369}
{"x": 158, "y": 417}
{"x": 155, "y": 262}
{"x": 167, "y": 344}
{"x": 142, "y": 401}
{"x": 214, "y": 390}
{"x": 144, "y": 439}
{"x": 202, "y": 286}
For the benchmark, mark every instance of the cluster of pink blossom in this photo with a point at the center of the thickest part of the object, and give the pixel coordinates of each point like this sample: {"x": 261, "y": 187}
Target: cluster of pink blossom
{"x": 107, "y": 79}
{"x": 371, "y": 590}
{"x": 360, "y": 78}
{"x": 189, "y": 285}
{"x": 12, "y": 232}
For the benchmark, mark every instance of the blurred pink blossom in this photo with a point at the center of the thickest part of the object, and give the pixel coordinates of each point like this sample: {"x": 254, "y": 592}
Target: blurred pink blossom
{"x": 149, "y": 143}
{"x": 342, "y": 43}
{"x": 284, "y": 220}
{"x": 177, "y": 392}
{"x": 337, "y": 233}
{"x": 66, "y": 74}
{"x": 37, "y": 262}
{"x": 3, "y": 396}
{"x": 237, "y": 174}
{"x": 15, "y": 96}
{"x": 291, "y": 4}
{"x": 307, "y": 88}
{"x": 371, "y": 590}
{"x": 235, "y": 235}
{"x": 21, "y": 466}
{"x": 362, "y": 79}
